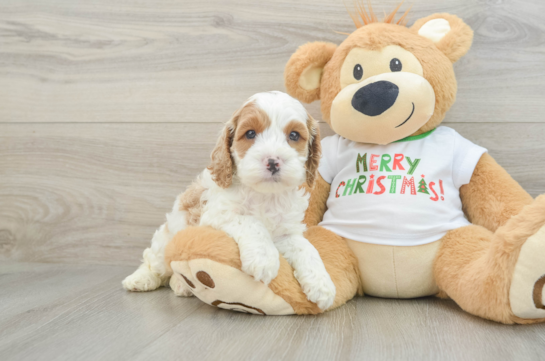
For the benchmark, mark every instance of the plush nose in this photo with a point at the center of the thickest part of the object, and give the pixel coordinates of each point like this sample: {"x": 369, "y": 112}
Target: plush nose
{"x": 273, "y": 165}
{"x": 375, "y": 98}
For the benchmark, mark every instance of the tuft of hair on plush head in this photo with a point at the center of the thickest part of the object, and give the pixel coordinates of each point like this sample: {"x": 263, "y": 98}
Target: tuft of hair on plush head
{"x": 362, "y": 16}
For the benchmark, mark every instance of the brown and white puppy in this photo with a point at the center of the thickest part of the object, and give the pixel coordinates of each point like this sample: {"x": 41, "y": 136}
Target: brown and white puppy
{"x": 252, "y": 191}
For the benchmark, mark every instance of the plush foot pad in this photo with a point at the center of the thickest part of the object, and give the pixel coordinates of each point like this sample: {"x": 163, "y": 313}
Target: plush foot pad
{"x": 527, "y": 293}
{"x": 229, "y": 288}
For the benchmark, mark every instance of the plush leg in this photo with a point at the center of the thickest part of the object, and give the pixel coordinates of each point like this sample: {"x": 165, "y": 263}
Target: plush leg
{"x": 208, "y": 261}
{"x": 498, "y": 275}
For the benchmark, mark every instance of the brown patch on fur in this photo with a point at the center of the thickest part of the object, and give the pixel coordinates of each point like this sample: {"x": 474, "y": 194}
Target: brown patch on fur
{"x": 301, "y": 145}
{"x": 190, "y": 201}
{"x": 474, "y": 266}
{"x": 368, "y": 16}
{"x": 251, "y": 118}
{"x": 492, "y": 196}
{"x": 222, "y": 165}
{"x": 315, "y": 150}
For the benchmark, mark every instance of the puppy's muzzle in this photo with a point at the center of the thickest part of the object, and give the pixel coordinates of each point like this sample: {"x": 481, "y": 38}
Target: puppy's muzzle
{"x": 375, "y": 98}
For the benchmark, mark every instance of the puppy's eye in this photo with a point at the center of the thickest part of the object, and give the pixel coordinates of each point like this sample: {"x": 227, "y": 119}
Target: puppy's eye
{"x": 358, "y": 72}
{"x": 250, "y": 134}
{"x": 395, "y": 65}
{"x": 294, "y": 136}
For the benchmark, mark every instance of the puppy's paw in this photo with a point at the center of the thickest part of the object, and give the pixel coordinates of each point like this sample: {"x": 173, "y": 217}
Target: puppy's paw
{"x": 142, "y": 280}
{"x": 261, "y": 262}
{"x": 179, "y": 287}
{"x": 318, "y": 287}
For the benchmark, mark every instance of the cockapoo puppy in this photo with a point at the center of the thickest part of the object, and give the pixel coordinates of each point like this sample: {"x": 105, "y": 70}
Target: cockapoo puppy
{"x": 252, "y": 191}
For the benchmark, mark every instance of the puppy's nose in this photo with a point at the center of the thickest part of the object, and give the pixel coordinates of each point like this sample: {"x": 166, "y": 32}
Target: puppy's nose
{"x": 375, "y": 98}
{"x": 273, "y": 165}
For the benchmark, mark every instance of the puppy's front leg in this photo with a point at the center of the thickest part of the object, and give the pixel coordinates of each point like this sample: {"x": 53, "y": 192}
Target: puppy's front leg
{"x": 258, "y": 255}
{"x": 309, "y": 269}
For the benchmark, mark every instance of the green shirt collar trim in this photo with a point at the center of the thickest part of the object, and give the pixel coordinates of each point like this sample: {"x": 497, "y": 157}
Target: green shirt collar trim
{"x": 416, "y": 137}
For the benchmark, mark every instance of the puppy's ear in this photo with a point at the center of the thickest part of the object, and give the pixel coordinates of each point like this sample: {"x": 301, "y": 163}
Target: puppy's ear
{"x": 314, "y": 150}
{"x": 222, "y": 165}
{"x": 303, "y": 72}
{"x": 448, "y": 32}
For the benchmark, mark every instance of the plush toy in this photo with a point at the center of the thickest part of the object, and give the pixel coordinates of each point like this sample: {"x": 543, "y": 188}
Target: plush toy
{"x": 387, "y": 210}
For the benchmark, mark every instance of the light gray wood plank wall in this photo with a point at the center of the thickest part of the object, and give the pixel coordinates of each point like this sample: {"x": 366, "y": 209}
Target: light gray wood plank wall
{"x": 194, "y": 61}
{"x": 109, "y": 109}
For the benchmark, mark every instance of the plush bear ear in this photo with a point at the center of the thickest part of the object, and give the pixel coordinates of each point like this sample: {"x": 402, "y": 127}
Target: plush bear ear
{"x": 303, "y": 71}
{"x": 448, "y": 32}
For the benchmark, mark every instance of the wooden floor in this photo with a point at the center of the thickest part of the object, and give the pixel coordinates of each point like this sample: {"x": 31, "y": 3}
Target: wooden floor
{"x": 109, "y": 108}
{"x": 73, "y": 312}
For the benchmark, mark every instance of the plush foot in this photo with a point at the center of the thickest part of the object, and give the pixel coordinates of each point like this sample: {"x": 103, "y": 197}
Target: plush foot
{"x": 142, "y": 280}
{"x": 527, "y": 293}
{"x": 227, "y": 287}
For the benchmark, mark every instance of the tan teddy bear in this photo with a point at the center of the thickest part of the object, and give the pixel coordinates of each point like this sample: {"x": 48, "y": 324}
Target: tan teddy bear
{"x": 402, "y": 207}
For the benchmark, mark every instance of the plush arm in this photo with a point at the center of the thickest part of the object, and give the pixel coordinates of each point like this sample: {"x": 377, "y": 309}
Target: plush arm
{"x": 492, "y": 196}
{"x": 317, "y": 205}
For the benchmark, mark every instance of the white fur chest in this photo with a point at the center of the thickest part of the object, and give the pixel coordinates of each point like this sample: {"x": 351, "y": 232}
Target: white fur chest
{"x": 281, "y": 213}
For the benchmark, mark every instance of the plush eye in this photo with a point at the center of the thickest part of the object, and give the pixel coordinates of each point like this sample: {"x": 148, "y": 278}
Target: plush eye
{"x": 358, "y": 72}
{"x": 395, "y": 65}
{"x": 294, "y": 136}
{"x": 250, "y": 134}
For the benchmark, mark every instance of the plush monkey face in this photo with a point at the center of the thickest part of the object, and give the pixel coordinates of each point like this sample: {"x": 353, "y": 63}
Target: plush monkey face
{"x": 385, "y": 81}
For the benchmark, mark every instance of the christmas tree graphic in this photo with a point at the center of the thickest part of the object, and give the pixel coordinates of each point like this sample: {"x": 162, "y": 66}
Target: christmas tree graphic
{"x": 422, "y": 186}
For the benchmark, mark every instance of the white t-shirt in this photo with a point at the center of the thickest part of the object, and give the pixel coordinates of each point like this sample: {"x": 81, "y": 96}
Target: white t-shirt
{"x": 401, "y": 194}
